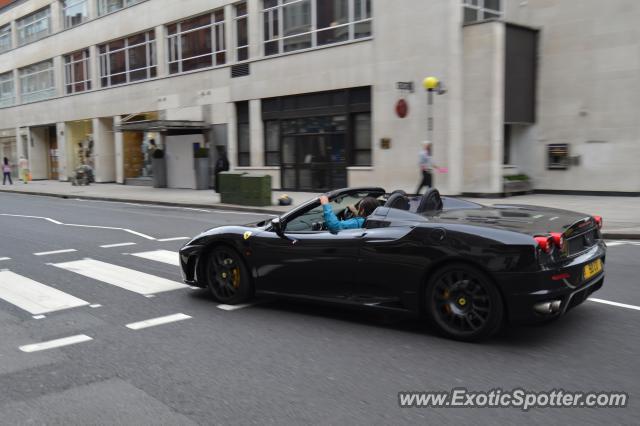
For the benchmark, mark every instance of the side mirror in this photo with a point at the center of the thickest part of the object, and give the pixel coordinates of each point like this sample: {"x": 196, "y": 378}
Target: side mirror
{"x": 277, "y": 227}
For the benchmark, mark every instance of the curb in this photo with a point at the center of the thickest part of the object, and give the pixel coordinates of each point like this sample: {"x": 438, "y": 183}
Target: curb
{"x": 217, "y": 206}
{"x": 232, "y": 207}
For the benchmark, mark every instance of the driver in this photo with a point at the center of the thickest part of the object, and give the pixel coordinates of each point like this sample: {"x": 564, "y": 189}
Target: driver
{"x": 366, "y": 206}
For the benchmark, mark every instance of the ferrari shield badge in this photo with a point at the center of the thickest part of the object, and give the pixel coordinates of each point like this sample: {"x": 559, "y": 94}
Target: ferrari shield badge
{"x": 247, "y": 235}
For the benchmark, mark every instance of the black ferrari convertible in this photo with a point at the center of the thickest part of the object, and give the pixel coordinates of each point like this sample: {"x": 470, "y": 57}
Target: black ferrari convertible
{"x": 468, "y": 268}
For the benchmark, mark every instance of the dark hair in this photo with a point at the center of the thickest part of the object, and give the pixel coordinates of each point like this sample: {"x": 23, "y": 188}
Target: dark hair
{"x": 6, "y": 160}
{"x": 367, "y": 206}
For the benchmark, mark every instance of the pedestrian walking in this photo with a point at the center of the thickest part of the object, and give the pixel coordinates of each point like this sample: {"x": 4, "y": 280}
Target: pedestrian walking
{"x": 6, "y": 172}
{"x": 426, "y": 167}
{"x": 222, "y": 165}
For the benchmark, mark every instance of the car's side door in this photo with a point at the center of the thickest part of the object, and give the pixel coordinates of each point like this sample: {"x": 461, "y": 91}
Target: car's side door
{"x": 304, "y": 261}
{"x": 391, "y": 263}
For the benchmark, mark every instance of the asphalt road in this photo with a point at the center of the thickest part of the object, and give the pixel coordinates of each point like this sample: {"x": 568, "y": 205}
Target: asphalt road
{"x": 274, "y": 362}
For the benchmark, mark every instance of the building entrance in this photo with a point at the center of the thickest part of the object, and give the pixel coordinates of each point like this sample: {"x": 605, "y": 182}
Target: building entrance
{"x": 314, "y": 162}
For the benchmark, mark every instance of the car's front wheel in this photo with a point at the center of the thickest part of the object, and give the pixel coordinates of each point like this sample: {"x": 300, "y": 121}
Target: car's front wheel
{"x": 227, "y": 276}
{"x": 463, "y": 303}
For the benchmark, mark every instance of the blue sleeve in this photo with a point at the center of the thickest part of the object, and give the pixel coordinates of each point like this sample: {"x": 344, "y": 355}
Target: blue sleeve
{"x": 335, "y": 225}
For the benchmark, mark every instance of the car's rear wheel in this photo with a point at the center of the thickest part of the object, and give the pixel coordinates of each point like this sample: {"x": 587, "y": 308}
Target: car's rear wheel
{"x": 463, "y": 303}
{"x": 227, "y": 276}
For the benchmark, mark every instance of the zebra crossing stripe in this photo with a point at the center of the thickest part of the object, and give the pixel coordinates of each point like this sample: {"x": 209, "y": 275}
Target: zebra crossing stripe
{"x": 34, "y": 297}
{"x": 164, "y": 256}
{"x": 128, "y": 279}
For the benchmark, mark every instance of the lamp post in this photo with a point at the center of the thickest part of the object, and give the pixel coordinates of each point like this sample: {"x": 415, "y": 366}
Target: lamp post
{"x": 431, "y": 84}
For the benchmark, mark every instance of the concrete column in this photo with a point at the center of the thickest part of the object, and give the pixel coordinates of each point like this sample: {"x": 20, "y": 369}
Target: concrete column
{"x": 21, "y": 148}
{"x": 455, "y": 98}
{"x": 94, "y": 67}
{"x": 92, "y": 9}
{"x": 16, "y": 87}
{"x": 256, "y": 133}
{"x": 38, "y": 152}
{"x": 58, "y": 75}
{"x": 232, "y": 135}
{"x": 161, "y": 51}
{"x": 105, "y": 150}
{"x": 255, "y": 28}
{"x": 119, "y": 151}
{"x": 14, "y": 35}
{"x": 62, "y": 152}
{"x": 230, "y": 33}
{"x": 70, "y": 151}
{"x": 55, "y": 18}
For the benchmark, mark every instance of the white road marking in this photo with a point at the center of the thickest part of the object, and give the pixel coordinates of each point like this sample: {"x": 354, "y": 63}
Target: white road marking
{"x": 553, "y": 218}
{"x": 165, "y": 256}
{"x": 4, "y": 258}
{"x": 157, "y": 321}
{"x": 46, "y": 253}
{"x": 34, "y": 297}
{"x": 95, "y": 305}
{"x": 66, "y": 341}
{"x": 173, "y": 239}
{"x": 117, "y": 245}
{"x": 39, "y": 316}
{"x": 619, "y": 305}
{"x": 615, "y": 243}
{"x": 157, "y": 206}
{"x": 149, "y": 296}
{"x": 128, "y": 279}
{"x": 148, "y": 237}
{"x": 234, "y": 307}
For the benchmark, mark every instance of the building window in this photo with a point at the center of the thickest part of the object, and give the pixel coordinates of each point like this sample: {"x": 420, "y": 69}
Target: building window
{"x": 272, "y": 142}
{"x": 128, "y": 59}
{"x": 108, "y": 6}
{"x": 37, "y": 82}
{"x": 244, "y": 141}
{"x": 75, "y": 12}
{"x": 197, "y": 43}
{"x": 5, "y": 38}
{"x": 34, "y": 27}
{"x": 7, "y": 94}
{"x": 242, "y": 32}
{"x": 291, "y": 25}
{"x": 361, "y": 152}
{"x": 480, "y": 10}
{"x": 76, "y": 72}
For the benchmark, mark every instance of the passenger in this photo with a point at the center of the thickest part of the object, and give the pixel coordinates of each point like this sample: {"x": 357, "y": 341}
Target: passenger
{"x": 365, "y": 208}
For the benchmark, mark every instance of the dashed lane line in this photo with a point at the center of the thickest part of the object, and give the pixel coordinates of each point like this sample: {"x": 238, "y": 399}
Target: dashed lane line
{"x": 57, "y": 343}
{"x": 4, "y": 258}
{"x": 157, "y": 321}
{"x": 117, "y": 245}
{"x": 46, "y": 253}
{"x": 173, "y": 239}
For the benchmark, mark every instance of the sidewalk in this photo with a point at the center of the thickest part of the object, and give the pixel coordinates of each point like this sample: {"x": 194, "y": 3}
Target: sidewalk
{"x": 621, "y": 214}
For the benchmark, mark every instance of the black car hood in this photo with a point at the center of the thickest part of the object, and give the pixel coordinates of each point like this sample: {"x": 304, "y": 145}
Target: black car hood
{"x": 531, "y": 220}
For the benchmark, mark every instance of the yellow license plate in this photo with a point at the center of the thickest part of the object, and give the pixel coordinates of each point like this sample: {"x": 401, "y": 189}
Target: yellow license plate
{"x": 593, "y": 268}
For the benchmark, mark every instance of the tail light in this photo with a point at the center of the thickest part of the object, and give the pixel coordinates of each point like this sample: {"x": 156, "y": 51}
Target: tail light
{"x": 598, "y": 220}
{"x": 545, "y": 243}
{"x": 558, "y": 240}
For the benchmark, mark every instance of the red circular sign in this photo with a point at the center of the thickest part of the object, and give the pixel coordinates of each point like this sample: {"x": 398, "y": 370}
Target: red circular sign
{"x": 402, "y": 108}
